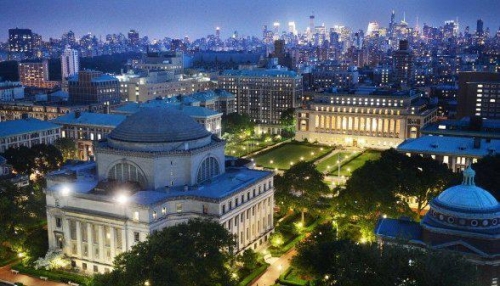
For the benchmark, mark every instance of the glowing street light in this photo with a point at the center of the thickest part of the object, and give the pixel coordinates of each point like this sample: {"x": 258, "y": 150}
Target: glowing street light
{"x": 122, "y": 199}
{"x": 65, "y": 191}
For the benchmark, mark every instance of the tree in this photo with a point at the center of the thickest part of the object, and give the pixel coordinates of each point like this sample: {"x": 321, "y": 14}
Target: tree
{"x": 193, "y": 253}
{"x": 288, "y": 122}
{"x": 238, "y": 124}
{"x": 249, "y": 258}
{"x": 488, "y": 174}
{"x": 301, "y": 186}
{"x": 378, "y": 188}
{"x": 67, "y": 147}
{"x": 40, "y": 158}
{"x": 342, "y": 262}
{"x": 21, "y": 210}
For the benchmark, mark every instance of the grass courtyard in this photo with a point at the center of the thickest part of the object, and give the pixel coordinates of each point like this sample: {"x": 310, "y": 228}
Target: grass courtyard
{"x": 286, "y": 155}
{"x": 330, "y": 164}
{"x": 248, "y": 146}
{"x": 349, "y": 167}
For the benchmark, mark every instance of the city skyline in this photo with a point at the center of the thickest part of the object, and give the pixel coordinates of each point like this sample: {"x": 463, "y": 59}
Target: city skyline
{"x": 158, "y": 19}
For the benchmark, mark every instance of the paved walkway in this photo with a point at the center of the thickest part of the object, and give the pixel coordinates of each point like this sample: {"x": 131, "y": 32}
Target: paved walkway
{"x": 274, "y": 271}
{"x": 7, "y": 276}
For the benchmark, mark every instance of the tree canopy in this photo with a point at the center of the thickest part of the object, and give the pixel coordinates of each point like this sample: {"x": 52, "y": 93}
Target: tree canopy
{"x": 195, "y": 253}
{"x": 301, "y": 186}
{"x": 488, "y": 174}
{"x": 40, "y": 158}
{"x": 67, "y": 147}
{"x": 237, "y": 124}
{"x": 21, "y": 211}
{"x": 288, "y": 122}
{"x": 342, "y": 262}
{"x": 380, "y": 188}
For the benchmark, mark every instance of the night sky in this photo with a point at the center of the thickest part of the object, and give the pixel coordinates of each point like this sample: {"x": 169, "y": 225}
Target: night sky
{"x": 197, "y": 18}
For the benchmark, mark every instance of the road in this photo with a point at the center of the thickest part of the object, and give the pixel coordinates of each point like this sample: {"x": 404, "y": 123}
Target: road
{"x": 7, "y": 276}
{"x": 274, "y": 271}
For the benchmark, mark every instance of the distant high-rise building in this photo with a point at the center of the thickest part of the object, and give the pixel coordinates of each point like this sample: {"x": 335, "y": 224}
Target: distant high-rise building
{"x": 311, "y": 26}
{"x": 21, "y": 41}
{"x": 372, "y": 29}
{"x": 70, "y": 65}
{"x": 479, "y": 27}
{"x": 69, "y": 38}
{"x": 450, "y": 29}
{"x": 217, "y": 33}
{"x": 392, "y": 23}
{"x": 403, "y": 63}
{"x": 263, "y": 94}
{"x": 133, "y": 37}
{"x": 34, "y": 74}
{"x": 90, "y": 87}
{"x": 276, "y": 31}
{"x": 479, "y": 95}
{"x": 291, "y": 28}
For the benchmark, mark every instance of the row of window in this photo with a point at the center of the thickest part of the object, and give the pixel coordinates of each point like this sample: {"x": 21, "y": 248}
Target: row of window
{"x": 235, "y": 201}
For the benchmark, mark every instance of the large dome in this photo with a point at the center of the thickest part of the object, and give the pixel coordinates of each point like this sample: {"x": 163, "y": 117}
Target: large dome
{"x": 467, "y": 197}
{"x": 158, "y": 125}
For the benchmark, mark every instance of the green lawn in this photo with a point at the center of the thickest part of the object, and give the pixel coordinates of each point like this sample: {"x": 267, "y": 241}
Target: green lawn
{"x": 357, "y": 162}
{"x": 332, "y": 162}
{"x": 247, "y": 147}
{"x": 285, "y": 155}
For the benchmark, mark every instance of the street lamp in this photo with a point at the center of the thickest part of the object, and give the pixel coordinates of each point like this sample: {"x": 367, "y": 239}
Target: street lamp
{"x": 65, "y": 191}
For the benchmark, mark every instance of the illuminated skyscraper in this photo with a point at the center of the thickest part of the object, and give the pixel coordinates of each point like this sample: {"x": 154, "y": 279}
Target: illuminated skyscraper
{"x": 403, "y": 63}
{"x": 276, "y": 26}
{"x": 70, "y": 64}
{"x": 479, "y": 27}
{"x": 217, "y": 33}
{"x": 291, "y": 28}
{"x": 21, "y": 41}
{"x": 133, "y": 37}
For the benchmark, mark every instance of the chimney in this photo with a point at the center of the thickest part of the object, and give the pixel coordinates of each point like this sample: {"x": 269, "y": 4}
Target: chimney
{"x": 477, "y": 143}
{"x": 78, "y": 113}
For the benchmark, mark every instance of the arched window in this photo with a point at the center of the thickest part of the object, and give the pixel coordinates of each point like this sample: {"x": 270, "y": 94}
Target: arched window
{"x": 209, "y": 168}
{"x": 127, "y": 172}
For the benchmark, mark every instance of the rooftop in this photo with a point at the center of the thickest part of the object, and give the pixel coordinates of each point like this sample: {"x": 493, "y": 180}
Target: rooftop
{"x": 234, "y": 180}
{"x": 193, "y": 111}
{"x": 448, "y": 145}
{"x": 87, "y": 118}
{"x": 260, "y": 73}
{"x": 22, "y": 126}
{"x": 399, "y": 229}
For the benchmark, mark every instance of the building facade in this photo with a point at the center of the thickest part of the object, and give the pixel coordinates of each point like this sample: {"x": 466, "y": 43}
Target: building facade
{"x": 35, "y": 74}
{"x": 162, "y": 61}
{"x": 141, "y": 88}
{"x": 70, "y": 65}
{"x": 91, "y": 87}
{"x": 17, "y": 109}
{"x": 11, "y": 90}
{"x": 86, "y": 128}
{"x": 21, "y": 41}
{"x": 479, "y": 95}
{"x": 363, "y": 118}
{"x": 148, "y": 176}
{"x": 27, "y": 132}
{"x": 263, "y": 94}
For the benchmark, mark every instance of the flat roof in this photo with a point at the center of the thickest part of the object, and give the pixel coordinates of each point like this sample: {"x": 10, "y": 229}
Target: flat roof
{"x": 87, "y": 118}
{"x": 22, "y": 126}
{"x": 219, "y": 187}
{"x": 450, "y": 145}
